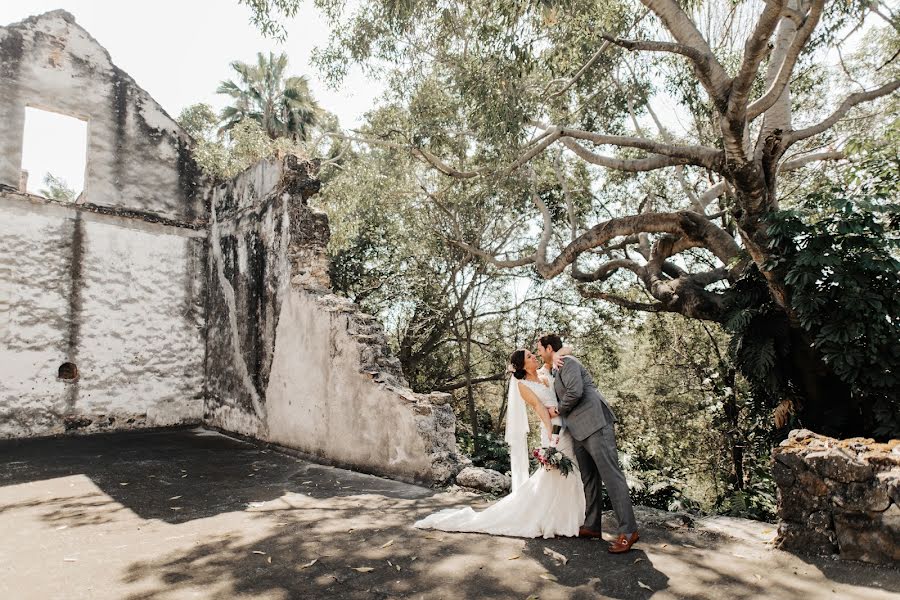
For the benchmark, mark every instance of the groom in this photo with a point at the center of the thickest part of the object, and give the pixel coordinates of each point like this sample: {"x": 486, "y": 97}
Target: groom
{"x": 591, "y": 423}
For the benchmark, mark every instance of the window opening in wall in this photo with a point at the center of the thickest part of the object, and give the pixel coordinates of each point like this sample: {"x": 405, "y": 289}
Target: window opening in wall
{"x": 54, "y": 155}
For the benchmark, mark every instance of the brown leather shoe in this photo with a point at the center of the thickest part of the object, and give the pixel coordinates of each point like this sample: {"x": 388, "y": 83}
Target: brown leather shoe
{"x": 587, "y": 532}
{"x": 624, "y": 543}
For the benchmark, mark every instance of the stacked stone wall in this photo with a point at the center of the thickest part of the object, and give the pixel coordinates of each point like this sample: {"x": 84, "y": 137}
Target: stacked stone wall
{"x": 839, "y": 497}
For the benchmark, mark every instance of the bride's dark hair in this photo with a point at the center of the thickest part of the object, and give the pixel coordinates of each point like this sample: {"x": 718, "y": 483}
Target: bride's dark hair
{"x": 517, "y": 360}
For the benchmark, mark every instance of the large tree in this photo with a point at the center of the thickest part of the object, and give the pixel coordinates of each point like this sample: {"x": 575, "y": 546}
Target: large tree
{"x": 283, "y": 106}
{"x": 698, "y": 120}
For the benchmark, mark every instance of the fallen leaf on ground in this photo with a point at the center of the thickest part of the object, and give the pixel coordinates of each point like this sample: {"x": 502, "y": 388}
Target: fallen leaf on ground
{"x": 513, "y": 557}
{"x": 310, "y": 563}
{"x": 61, "y": 527}
{"x": 305, "y": 482}
{"x": 413, "y": 558}
{"x": 364, "y": 569}
{"x": 174, "y": 497}
{"x": 386, "y": 544}
{"x": 757, "y": 577}
{"x": 548, "y": 577}
{"x": 269, "y": 559}
{"x": 397, "y": 567}
{"x": 689, "y": 546}
{"x": 645, "y": 586}
{"x": 175, "y": 507}
{"x": 124, "y": 483}
{"x": 258, "y": 552}
{"x": 183, "y": 476}
{"x": 556, "y": 555}
{"x": 637, "y": 560}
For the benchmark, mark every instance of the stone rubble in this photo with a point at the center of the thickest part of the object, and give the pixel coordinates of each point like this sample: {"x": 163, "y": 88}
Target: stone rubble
{"x": 484, "y": 480}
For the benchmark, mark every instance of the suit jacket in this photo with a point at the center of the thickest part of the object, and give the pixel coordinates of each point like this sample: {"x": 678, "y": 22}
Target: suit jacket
{"x": 581, "y": 404}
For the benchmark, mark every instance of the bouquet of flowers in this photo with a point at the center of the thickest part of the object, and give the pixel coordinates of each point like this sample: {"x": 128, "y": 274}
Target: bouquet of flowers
{"x": 551, "y": 458}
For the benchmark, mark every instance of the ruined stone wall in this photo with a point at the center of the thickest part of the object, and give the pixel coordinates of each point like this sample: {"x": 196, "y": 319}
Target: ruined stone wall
{"x": 138, "y": 158}
{"x": 291, "y": 363}
{"x": 839, "y": 497}
{"x": 121, "y": 299}
{"x": 112, "y": 284}
{"x": 175, "y": 301}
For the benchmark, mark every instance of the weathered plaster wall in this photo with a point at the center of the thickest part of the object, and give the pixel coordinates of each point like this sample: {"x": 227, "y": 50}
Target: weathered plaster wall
{"x": 138, "y": 158}
{"x": 113, "y": 283}
{"x": 289, "y": 362}
{"x": 122, "y": 299}
{"x": 248, "y": 233}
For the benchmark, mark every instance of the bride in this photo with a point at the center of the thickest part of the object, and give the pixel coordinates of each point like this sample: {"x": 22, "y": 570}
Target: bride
{"x": 547, "y": 504}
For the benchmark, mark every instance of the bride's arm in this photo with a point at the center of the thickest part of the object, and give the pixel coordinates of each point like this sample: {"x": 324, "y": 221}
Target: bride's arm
{"x": 536, "y": 405}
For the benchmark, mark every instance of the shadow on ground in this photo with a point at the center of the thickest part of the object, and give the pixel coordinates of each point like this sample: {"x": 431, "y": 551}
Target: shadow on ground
{"x": 174, "y": 475}
{"x": 189, "y": 513}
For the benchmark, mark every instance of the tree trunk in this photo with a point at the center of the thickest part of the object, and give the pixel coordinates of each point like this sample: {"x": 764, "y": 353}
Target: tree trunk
{"x": 826, "y": 405}
{"x": 735, "y": 446}
{"x": 470, "y": 395}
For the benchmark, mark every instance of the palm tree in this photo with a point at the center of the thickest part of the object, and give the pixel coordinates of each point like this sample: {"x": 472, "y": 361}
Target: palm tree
{"x": 283, "y": 107}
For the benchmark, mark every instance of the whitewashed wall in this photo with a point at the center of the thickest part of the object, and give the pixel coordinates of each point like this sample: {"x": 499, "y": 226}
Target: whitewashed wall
{"x": 121, "y": 299}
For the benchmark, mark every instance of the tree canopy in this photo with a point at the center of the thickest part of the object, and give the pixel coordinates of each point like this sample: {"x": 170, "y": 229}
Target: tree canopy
{"x": 667, "y": 155}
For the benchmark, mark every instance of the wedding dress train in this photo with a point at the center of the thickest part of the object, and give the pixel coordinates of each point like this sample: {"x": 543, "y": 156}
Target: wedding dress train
{"x": 547, "y": 504}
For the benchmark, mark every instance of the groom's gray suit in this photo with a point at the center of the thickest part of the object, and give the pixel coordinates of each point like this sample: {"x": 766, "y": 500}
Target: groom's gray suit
{"x": 591, "y": 421}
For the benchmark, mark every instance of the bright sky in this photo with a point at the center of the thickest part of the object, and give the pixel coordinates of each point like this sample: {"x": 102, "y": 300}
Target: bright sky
{"x": 179, "y": 51}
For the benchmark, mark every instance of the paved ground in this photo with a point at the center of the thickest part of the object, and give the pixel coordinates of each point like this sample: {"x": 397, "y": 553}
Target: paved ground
{"x": 192, "y": 514}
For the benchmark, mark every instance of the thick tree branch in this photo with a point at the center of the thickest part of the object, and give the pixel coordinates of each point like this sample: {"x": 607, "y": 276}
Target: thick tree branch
{"x": 629, "y": 165}
{"x": 656, "y": 46}
{"x": 713, "y": 75}
{"x": 848, "y": 103}
{"x": 606, "y": 270}
{"x": 683, "y": 223}
{"x": 776, "y": 88}
{"x": 702, "y": 156}
{"x": 801, "y": 161}
{"x": 754, "y": 51}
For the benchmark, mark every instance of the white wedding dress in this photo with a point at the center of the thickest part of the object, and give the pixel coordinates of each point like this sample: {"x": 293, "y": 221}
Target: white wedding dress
{"x": 546, "y": 505}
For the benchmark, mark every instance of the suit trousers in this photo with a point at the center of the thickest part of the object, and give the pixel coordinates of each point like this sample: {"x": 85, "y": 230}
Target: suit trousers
{"x": 598, "y": 462}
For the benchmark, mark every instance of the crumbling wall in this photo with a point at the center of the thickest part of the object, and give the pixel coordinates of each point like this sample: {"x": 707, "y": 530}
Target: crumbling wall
{"x": 839, "y": 497}
{"x": 108, "y": 291}
{"x": 291, "y": 363}
{"x": 159, "y": 300}
{"x": 138, "y": 158}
